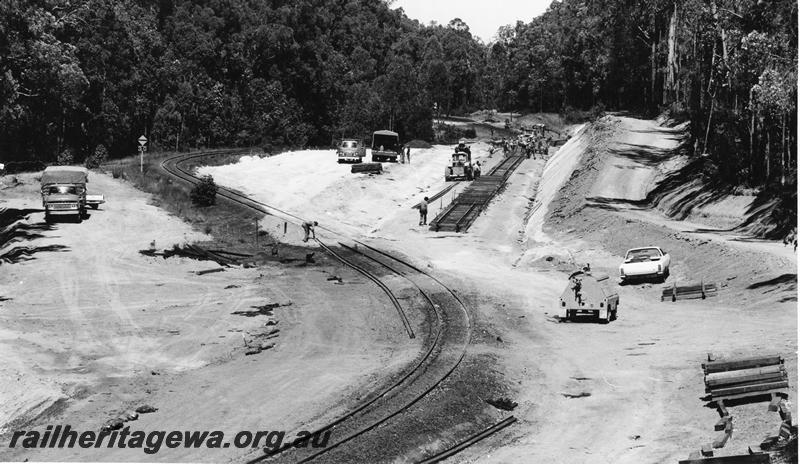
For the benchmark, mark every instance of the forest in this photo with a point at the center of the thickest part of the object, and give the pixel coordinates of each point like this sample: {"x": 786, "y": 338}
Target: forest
{"x": 85, "y": 78}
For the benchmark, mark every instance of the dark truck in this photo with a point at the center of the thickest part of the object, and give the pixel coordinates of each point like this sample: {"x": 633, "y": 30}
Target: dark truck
{"x": 64, "y": 192}
{"x": 385, "y": 146}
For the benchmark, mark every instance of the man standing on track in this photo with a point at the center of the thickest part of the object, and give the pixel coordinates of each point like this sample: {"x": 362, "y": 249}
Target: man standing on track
{"x": 308, "y": 228}
{"x": 423, "y": 212}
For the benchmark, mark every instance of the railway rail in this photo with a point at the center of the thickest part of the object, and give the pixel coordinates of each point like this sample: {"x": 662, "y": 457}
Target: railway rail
{"x": 467, "y": 206}
{"x": 444, "y": 344}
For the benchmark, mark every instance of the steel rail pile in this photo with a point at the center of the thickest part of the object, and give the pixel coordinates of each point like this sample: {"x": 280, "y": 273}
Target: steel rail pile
{"x": 468, "y": 205}
{"x": 691, "y": 291}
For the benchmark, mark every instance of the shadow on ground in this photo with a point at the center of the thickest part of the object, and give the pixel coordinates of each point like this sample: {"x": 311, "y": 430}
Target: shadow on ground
{"x": 13, "y": 230}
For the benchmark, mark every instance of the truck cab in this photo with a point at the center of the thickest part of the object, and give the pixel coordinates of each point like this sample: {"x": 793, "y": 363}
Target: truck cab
{"x": 64, "y": 191}
{"x": 385, "y": 146}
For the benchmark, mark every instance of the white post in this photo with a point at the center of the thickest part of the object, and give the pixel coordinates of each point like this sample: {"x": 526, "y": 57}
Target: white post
{"x": 141, "y": 160}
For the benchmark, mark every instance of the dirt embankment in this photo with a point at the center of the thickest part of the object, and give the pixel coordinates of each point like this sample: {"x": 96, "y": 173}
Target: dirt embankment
{"x": 629, "y": 391}
{"x": 605, "y": 203}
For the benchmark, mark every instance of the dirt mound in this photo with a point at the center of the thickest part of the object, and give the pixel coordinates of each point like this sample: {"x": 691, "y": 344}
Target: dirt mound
{"x": 416, "y": 143}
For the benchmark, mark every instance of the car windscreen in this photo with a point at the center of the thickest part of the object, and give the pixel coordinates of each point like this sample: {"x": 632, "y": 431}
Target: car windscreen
{"x": 643, "y": 254}
{"x": 349, "y": 144}
{"x": 387, "y": 141}
{"x": 61, "y": 190}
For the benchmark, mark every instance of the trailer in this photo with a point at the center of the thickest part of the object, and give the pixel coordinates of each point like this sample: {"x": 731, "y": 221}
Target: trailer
{"x": 589, "y": 294}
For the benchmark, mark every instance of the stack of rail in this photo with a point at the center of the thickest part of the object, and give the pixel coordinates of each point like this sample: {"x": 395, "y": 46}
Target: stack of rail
{"x": 466, "y": 207}
{"x": 745, "y": 377}
{"x": 690, "y": 291}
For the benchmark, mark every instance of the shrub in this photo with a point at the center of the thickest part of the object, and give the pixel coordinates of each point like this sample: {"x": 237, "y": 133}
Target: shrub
{"x": 204, "y": 193}
{"x": 16, "y": 167}
{"x": 97, "y": 158}
{"x": 117, "y": 172}
{"x": 66, "y": 157}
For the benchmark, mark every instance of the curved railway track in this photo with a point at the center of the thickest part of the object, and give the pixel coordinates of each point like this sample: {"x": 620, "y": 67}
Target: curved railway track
{"x": 444, "y": 344}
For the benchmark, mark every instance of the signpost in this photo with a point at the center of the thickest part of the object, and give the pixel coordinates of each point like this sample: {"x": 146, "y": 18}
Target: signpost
{"x": 142, "y": 149}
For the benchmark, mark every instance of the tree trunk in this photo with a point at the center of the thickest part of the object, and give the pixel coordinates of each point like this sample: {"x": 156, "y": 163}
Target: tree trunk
{"x": 752, "y": 135}
{"x": 783, "y": 150}
{"x": 670, "y": 89}
{"x": 766, "y": 159}
{"x": 653, "y": 73}
{"x": 708, "y": 127}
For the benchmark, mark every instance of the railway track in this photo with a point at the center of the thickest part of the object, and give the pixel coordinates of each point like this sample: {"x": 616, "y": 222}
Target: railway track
{"x": 444, "y": 344}
{"x": 467, "y": 206}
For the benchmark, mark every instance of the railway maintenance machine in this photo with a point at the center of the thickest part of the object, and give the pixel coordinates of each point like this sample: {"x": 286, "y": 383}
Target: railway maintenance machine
{"x": 460, "y": 167}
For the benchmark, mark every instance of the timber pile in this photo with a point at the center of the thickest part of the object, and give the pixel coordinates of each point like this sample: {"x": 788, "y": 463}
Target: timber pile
{"x": 367, "y": 167}
{"x": 745, "y": 377}
{"x": 742, "y": 378}
{"x": 193, "y": 252}
{"x": 690, "y": 291}
{"x": 756, "y": 458}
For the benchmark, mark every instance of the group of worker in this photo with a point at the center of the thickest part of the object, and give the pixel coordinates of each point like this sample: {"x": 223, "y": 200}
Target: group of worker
{"x": 528, "y": 144}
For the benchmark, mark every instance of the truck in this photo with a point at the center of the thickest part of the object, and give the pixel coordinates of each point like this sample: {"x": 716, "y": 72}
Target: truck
{"x": 350, "y": 151}
{"x": 385, "y": 146}
{"x": 589, "y": 294}
{"x": 64, "y": 192}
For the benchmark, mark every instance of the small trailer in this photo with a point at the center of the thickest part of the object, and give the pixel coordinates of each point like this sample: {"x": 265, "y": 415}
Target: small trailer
{"x": 589, "y": 294}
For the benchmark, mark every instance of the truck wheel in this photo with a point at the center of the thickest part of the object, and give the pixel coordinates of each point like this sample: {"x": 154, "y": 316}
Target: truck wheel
{"x": 94, "y": 206}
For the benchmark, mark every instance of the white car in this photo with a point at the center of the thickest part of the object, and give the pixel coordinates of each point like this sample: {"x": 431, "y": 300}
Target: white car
{"x": 643, "y": 263}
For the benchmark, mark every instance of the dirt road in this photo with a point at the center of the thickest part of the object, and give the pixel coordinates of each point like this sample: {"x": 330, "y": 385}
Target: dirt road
{"x": 96, "y": 329}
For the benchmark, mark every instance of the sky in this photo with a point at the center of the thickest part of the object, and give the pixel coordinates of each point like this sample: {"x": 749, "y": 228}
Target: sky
{"x": 483, "y": 17}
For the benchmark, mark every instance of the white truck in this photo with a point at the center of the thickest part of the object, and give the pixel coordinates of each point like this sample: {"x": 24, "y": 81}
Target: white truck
{"x": 644, "y": 263}
{"x": 589, "y": 294}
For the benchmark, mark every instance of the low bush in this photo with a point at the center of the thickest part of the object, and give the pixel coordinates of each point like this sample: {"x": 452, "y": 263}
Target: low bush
{"x": 204, "y": 193}
{"x": 97, "y": 158}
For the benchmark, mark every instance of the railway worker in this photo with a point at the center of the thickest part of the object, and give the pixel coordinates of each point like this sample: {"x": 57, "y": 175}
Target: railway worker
{"x": 408, "y": 154}
{"x": 791, "y": 238}
{"x": 576, "y": 288}
{"x": 477, "y": 172}
{"x": 308, "y": 228}
{"x": 423, "y": 212}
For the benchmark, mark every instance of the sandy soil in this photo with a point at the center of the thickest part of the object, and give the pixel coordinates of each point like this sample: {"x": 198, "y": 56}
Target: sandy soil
{"x": 641, "y": 373}
{"x": 627, "y": 392}
{"x": 98, "y": 329}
